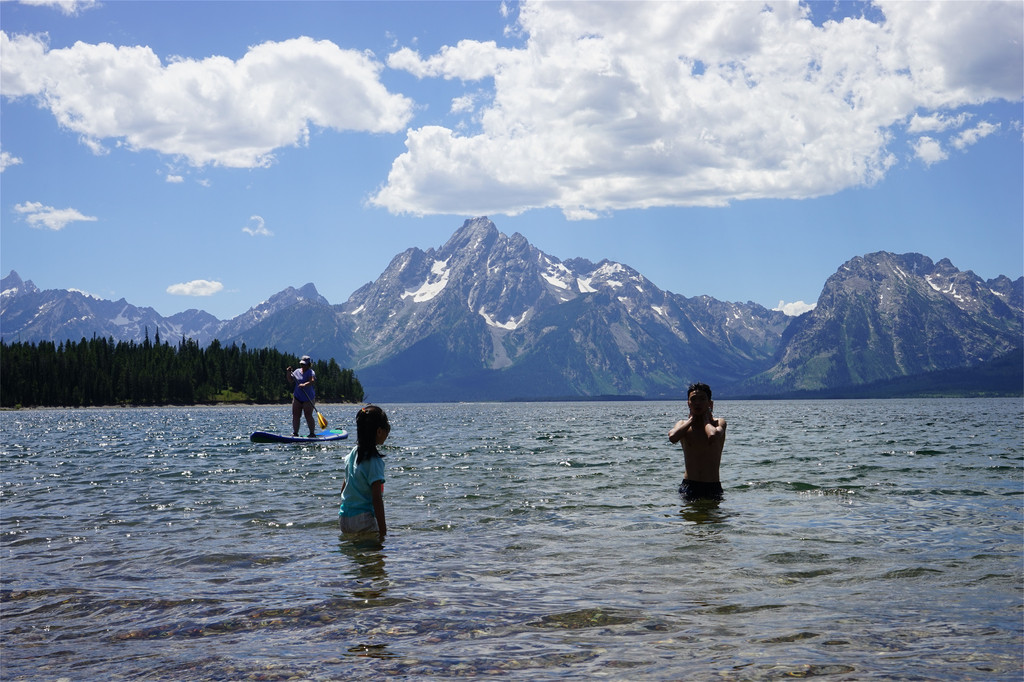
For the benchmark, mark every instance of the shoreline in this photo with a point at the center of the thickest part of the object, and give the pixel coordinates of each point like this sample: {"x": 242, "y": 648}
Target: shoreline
{"x": 31, "y": 408}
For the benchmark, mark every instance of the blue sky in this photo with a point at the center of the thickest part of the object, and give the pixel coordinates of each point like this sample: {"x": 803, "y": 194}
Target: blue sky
{"x": 210, "y": 154}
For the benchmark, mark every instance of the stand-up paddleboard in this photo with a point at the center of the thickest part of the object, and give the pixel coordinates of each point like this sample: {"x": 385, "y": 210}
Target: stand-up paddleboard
{"x": 323, "y": 436}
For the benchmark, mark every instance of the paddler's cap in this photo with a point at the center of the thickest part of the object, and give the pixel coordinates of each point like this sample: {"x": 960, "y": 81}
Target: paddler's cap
{"x": 304, "y": 360}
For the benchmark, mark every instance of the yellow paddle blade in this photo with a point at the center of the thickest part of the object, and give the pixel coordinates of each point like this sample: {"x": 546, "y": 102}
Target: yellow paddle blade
{"x": 321, "y": 421}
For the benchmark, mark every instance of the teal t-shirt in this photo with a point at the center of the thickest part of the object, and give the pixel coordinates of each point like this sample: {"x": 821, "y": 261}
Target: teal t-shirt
{"x": 356, "y": 498}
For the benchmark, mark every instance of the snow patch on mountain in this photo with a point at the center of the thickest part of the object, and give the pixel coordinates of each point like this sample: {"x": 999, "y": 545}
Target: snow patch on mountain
{"x": 609, "y": 272}
{"x": 122, "y": 318}
{"x": 949, "y": 290}
{"x": 512, "y": 323}
{"x": 434, "y": 285}
{"x": 557, "y": 275}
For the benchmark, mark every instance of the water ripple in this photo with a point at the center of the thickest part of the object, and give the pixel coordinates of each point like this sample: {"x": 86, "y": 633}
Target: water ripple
{"x": 533, "y": 541}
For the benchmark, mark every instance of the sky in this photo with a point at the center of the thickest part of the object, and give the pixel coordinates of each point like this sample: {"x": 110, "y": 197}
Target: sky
{"x": 211, "y": 154}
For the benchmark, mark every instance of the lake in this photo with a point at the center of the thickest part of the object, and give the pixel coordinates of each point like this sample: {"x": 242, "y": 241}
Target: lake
{"x": 857, "y": 539}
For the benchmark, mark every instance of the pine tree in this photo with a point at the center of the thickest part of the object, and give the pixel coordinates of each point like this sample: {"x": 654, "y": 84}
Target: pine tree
{"x": 100, "y": 371}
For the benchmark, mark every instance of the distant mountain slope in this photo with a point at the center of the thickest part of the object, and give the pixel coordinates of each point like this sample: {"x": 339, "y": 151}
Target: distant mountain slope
{"x": 277, "y": 303}
{"x": 1002, "y": 376}
{"x": 29, "y": 314}
{"x": 57, "y": 315}
{"x": 308, "y": 326}
{"x": 885, "y": 315}
{"x": 490, "y": 317}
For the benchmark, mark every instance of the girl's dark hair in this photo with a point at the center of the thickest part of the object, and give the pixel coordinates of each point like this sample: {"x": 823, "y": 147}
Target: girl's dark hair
{"x": 368, "y": 420}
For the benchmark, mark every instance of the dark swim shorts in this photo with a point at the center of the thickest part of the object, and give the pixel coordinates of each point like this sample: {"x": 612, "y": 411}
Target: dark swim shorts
{"x": 701, "y": 490}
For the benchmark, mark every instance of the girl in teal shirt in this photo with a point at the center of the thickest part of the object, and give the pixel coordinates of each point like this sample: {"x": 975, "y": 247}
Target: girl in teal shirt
{"x": 362, "y": 493}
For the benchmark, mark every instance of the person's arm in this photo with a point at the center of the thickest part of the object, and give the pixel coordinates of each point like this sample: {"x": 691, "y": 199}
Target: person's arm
{"x": 291, "y": 377}
{"x": 676, "y": 432}
{"x": 714, "y": 428}
{"x": 377, "y": 493}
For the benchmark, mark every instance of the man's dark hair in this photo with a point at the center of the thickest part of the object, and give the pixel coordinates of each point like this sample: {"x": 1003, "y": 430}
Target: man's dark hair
{"x": 704, "y": 388}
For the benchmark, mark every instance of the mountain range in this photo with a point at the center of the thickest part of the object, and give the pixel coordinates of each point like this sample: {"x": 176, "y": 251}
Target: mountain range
{"x": 490, "y": 317}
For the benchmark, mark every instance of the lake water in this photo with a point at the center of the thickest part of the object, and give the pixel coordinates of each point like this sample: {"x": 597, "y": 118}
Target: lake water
{"x": 857, "y": 539}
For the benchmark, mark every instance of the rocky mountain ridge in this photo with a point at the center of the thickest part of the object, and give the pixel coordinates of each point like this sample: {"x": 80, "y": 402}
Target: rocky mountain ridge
{"x": 30, "y": 314}
{"x": 885, "y": 315}
{"x": 489, "y": 317}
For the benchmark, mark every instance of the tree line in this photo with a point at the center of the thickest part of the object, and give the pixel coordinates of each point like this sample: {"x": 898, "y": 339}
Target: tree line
{"x": 100, "y": 371}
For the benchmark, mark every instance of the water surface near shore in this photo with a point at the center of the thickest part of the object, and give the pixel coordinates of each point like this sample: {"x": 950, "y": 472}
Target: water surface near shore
{"x": 858, "y": 539}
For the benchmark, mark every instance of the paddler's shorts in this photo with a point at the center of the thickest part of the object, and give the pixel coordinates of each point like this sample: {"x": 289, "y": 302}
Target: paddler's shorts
{"x": 701, "y": 490}
{"x": 358, "y": 524}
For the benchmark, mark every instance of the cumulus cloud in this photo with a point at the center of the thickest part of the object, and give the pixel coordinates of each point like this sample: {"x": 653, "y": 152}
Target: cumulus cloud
{"x": 616, "y": 105}
{"x": 175, "y": 179}
{"x": 929, "y": 150}
{"x": 209, "y": 111}
{"x": 463, "y": 104}
{"x": 257, "y": 227}
{"x": 969, "y": 137}
{"x": 469, "y": 60}
{"x": 7, "y": 160}
{"x": 936, "y": 123}
{"x": 795, "y": 308}
{"x": 197, "y": 287}
{"x": 39, "y": 216}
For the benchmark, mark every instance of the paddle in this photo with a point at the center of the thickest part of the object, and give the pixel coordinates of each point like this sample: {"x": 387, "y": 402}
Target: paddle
{"x": 319, "y": 417}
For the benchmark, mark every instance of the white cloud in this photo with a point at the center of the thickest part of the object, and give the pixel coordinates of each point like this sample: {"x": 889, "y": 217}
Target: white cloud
{"x": 175, "y": 179}
{"x": 469, "y": 60}
{"x": 7, "y": 160}
{"x": 969, "y": 137}
{"x": 463, "y": 104}
{"x": 795, "y": 308}
{"x": 68, "y": 7}
{"x": 56, "y": 219}
{"x": 616, "y": 105}
{"x": 197, "y": 287}
{"x": 929, "y": 150}
{"x": 936, "y": 123}
{"x": 959, "y": 52}
{"x": 210, "y": 111}
{"x": 257, "y": 227}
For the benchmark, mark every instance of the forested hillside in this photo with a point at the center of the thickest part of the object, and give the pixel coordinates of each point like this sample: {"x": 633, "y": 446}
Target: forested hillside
{"x": 100, "y": 371}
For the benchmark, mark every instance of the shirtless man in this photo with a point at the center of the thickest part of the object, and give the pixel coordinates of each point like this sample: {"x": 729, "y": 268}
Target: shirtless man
{"x": 702, "y": 437}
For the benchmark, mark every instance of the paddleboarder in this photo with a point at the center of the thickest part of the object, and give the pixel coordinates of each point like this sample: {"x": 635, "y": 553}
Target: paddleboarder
{"x": 703, "y": 438}
{"x": 302, "y": 381}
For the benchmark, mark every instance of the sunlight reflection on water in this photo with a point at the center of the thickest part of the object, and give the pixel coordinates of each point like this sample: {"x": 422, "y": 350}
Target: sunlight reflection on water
{"x": 526, "y": 540}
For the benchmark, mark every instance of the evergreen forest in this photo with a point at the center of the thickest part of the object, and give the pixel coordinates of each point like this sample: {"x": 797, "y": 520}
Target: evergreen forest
{"x": 100, "y": 371}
